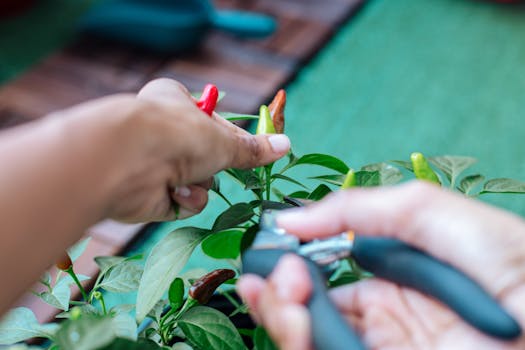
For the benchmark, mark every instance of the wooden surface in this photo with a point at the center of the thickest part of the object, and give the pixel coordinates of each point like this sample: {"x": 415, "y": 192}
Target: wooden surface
{"x": 250, "y": 71}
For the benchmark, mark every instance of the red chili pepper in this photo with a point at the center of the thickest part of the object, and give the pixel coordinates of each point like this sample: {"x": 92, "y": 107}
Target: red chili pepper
{"x": 208, "y": 99}
{"x": 203, "y": 288}
{"x": 277, "y": 111}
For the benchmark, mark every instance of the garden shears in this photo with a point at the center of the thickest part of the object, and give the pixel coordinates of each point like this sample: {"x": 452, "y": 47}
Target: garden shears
{"x": 386, "y": 258}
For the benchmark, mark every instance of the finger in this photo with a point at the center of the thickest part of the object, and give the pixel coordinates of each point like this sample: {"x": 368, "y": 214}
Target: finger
{"x": 250, "y": 151}
{"x": 191, "y": 200}
{"x": 166, "y": 91}
{"x": 229, "y": 125}
{"x": 250, "y": 288}
{"x": 291, "y": 279}
{"x": 206, "y": 184}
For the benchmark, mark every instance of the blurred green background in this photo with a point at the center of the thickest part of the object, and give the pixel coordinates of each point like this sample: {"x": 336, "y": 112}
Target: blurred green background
{"x": 436, "y": 76}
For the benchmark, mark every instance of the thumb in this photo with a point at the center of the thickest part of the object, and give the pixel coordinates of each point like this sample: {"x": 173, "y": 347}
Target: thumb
{"x": 250, "y": 151}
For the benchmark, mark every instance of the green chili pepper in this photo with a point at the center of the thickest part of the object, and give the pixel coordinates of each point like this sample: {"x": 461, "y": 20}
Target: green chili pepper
{"x": 422, "y": 169}
{"x": 350, "y": 180}
{"x": 265, "y": 125}
{"x": 203, "y": 288}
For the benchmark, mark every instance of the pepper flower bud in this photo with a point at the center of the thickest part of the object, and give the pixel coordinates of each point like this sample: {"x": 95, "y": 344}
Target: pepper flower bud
{"x": 202, "y": 289}
{"x": 276, "y": 108}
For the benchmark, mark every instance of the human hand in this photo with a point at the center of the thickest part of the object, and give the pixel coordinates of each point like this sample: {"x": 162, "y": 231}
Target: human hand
{"x": 167, "y": 150}
{"x": 486, "y": 243}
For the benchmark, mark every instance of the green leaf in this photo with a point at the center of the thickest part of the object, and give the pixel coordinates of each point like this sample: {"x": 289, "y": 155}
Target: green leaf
{"x": 208, "y": 328}
{"x": 388, "y": 174}
{"x": 86, "y": 309}
{"x": 87, "y": 333}
{"x": 299, "y": 194}
{"x": 272, "y": 205}
{"x": 236, "y": 116}
{"x": 289, "y": 179}
{"x": 246, "y": 177}
{"x": 233, "y": 216}
{"x": 176, "y": 293}
{"x": 223, "y": 245}
{"x": 404, "y": 164}
{"x": 181, "y": 346}
{"x": 76, "y": 251}
{"x": 503, "y": 185}
{"x": 20, "y": 324}
{"x": 323, "y": 160}
{"x": 333, "y": 179}
{"x": 452, "y": 166}
{"x": 46, "y": 279}
{"x": 367, "y": 178}
{"x": 262, "y": 341}
{"x": 249, "y": 237}
{"x": 126, "y": 344}
{"x": 319, "y": 192}
{"x": 122, "y": 278}
{"x": 216, "y": 184}
{"x": 468, "y": 183}
{"x": 58, "y": 297}
{"x": 166, "y": 260}
{"x": 125, "y": 326}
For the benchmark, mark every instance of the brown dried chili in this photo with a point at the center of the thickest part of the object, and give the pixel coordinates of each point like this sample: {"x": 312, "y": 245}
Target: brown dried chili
{"x": 203, "y": 288}
{"x": 276, "y": 108}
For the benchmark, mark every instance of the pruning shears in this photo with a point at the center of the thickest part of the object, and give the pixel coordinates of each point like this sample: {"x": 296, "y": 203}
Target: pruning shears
{"x": 386, "y": 258}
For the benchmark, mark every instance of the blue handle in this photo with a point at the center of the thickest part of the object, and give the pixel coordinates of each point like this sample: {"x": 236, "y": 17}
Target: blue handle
{"x": 400, "y": 263}
{"x": 329, "y": 329}
{"x": 244, "y": 24}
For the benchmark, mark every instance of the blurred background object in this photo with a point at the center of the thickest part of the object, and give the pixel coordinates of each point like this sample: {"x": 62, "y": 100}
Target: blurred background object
{"x": 170, "y": 25}
{"x": 9, "y": 8}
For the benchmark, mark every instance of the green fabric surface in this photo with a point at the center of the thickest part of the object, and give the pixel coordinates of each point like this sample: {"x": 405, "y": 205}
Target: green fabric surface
{"x": 436, "y": 76}
{"x": 31, "y": 36}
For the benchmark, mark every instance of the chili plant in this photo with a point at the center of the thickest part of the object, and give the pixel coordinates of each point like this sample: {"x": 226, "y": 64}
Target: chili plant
{"x": 170, "y": 310}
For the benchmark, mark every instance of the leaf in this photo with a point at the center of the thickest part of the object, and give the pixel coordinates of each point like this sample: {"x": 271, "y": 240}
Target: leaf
{"x": 299, "y": 194}
{"x": 334, "y": 179}
{"x": 223, "y": 245}
{"x": 126, "y": 344}
{"x": 503, "y": 185}
{"x": 87, "y": 333}
{"x": 319, "y": 192}
{"x": 289, "y": 179}
{"x": 271, "y": 205}
{"x": 262, "y": 341}
{"x": 86, "y": 309}
{"x": 367, "y": 178}
{"x": 452, "y": 166}
{"x": 208, "y": 328}
{"x": 233, "y": 216}
{"x": 319, "y": 159}
{"x": 76, "y": 251}
{"x": 176, "y": 293}
{"x": 216, "y": 184}
{"x": 404, "y": 164}
{"x": 246, "y": 177}
{"x": 122, "y": 278}
{"x": 468, "y": 183}
{"x": 388, "y": 174}
{"x": 20, "y": 324}
{"x": 46, "y": 279}
{"x": 58, "y": 297}
{"x": 236, "y": 116}
{"x": 166, "y": 260}
{"x": 125, "y": 326}
{"x": 181, "y": 346}
{"x": 249, "y": 237}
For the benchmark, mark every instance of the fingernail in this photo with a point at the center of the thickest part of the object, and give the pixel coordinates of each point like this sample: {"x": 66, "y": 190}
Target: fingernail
{"x": 281, "y": 277}
{"x": 280, "y": 143}
{"x": 183, "y": 191}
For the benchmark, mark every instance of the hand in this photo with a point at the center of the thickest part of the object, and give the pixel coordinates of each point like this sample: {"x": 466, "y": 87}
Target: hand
{"x": 486, "y": 243}
{"x": 168, "y": 150}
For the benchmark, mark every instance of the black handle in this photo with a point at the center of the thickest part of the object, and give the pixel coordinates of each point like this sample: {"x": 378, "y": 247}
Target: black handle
{"x": 398, "y": 262}
{"x": 329, "y": 330}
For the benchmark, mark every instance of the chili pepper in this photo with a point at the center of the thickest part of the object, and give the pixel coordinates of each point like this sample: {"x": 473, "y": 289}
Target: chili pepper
{"x": 276, "y": 108}
{"x": 203, "y": 288}
{"x": 265, "y": 125}
{"x": 350, "y": 180}
{"x": 208, "y": 99}
{"x": 64, "y": 263}
{"x": 422, "y": 169}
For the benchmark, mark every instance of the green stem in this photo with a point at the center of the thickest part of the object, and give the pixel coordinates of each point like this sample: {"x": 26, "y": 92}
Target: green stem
{"x": 268, "y": 175}
{"x": 224, "y": 198}
{"x": 77, "y": 282}
{"x": 103, "y": 304}
{"x": 188, "y": 304}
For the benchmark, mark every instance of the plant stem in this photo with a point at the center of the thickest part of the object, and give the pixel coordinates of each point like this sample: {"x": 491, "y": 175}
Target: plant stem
{"x": 103, "y": 304}
{"x": 77, "y": 282}
{"x": 219, "y": 193}
{"x": 268, "y": 176}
